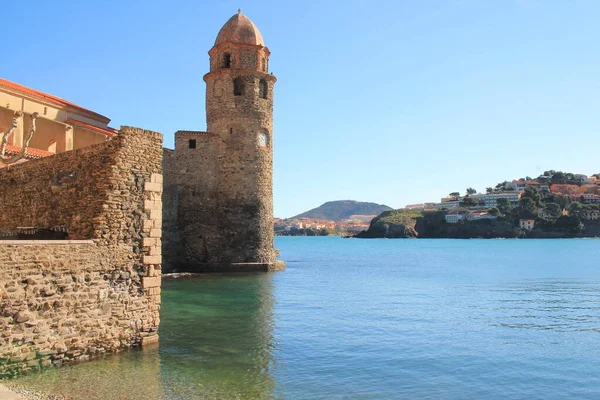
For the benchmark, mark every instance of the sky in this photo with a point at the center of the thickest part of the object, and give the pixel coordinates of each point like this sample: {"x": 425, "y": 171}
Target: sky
{"x": 389, "y": 101}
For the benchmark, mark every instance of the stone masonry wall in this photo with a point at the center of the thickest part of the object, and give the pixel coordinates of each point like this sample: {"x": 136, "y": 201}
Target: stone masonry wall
{"x": 219, "y": 184}
{"x": 245, "y": 190}
{"x": 191, "y": 224}
{"x": 64, "y": 301}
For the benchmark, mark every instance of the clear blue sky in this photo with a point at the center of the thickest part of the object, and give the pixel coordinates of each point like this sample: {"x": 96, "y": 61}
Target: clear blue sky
{"x": 393, "y": 102}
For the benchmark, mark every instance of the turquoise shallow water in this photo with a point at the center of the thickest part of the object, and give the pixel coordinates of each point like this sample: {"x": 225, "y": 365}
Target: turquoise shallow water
{"x": 372, "y": 319}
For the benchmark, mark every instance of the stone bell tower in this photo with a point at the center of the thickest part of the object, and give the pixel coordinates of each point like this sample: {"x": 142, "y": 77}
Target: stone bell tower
{"x": 239, "y": 110}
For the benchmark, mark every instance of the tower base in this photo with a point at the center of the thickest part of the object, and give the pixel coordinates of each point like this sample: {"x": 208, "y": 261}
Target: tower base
{"x": 232, "y": 268}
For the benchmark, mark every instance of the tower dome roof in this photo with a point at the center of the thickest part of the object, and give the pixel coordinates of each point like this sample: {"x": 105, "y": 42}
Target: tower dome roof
{"x": 239, "y": 29}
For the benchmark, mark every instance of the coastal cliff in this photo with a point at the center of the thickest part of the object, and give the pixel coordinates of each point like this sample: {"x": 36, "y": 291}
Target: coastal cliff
{"x": 398, "y": 224}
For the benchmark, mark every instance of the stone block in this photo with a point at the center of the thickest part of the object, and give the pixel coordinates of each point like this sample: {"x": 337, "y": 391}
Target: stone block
{"x": 152, "y": 259}
{"x": 148, "y": 340}
{"x": 147, "y": 225}
{"x": 156, "y": 178}
{"x": 156, "y": 233}
{"x": 150, "y": 282}
{"x": 156, "y": 214}
{"x": 152, "y": 187}
{"x": 153, "y": 270}
{"x": 148, "y": 242}
{"x": 153, "y": 205}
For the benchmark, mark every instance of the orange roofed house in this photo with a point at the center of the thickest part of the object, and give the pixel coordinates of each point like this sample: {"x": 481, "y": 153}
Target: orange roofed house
{"x": 61, "y": 125}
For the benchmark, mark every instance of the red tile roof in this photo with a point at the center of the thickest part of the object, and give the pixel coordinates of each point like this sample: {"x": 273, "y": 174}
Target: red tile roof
{"x": 15, "y": 87}
{"x": 110, "y": 132}
{"x": 30, "y": 153}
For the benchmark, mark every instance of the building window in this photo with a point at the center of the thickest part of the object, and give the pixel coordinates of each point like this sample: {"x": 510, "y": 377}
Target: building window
{"x": 238, "y": 87}
{"x": 226, "y": 60}
{"x": 263, "y": 89}
{"x": 263, "y": 139}
{"x": 264, "y": 64}
{"x": 45, "y": 110}
{"x": 192, "y": 143}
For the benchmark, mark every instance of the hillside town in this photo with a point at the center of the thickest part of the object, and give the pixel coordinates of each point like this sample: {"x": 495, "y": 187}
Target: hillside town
{"x": 321, "y": 227}
{"x": 547, "y": 198}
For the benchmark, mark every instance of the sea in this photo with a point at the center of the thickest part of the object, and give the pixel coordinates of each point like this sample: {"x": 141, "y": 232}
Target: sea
{"x": 370, "y": 319}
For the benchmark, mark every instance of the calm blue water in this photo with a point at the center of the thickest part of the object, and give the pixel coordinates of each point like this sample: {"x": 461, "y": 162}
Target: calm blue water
{"x": 372, "y": 319}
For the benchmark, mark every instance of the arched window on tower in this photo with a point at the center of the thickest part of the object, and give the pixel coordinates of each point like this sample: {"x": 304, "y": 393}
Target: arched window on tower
{"x": 263, "y": 89}
{"x": 238, "y": 87}
{"x": 264, "y": 64}
{"x": 226, "y": 60}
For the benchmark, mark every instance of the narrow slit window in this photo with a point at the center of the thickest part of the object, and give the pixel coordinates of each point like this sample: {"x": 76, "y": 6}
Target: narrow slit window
{"x": 263, "y": 89}
{"x": 192, "y": 143}
{"x": 226, "y": 60}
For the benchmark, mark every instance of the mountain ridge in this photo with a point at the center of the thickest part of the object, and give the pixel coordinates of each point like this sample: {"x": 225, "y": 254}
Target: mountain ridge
{"x": 338, "y": 210}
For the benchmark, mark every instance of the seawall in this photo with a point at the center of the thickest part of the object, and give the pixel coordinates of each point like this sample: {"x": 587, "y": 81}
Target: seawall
{"x": 98, "y": 292}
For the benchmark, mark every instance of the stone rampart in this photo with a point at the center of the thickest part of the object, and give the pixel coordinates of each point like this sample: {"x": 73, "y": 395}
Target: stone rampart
{"x": 100, "y": 291}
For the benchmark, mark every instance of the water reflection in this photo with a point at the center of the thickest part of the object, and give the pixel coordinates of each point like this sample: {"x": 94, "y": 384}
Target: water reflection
{"x": 227, "y": 351}
{"x": 216, "y": 342}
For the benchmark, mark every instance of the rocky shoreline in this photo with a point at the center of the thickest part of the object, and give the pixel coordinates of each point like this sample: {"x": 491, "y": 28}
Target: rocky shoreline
{"x": 403, "y": 224}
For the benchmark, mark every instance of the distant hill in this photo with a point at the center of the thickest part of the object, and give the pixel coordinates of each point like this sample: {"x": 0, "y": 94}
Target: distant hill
{"x": 342, "y": 209}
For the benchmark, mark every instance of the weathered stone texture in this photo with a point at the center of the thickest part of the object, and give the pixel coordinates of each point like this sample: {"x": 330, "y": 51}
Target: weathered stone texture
{"x": 66, "y": 301}
{"x": 218, "y": 197}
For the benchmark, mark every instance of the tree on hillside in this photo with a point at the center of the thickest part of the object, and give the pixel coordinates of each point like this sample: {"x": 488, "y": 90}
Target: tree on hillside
{"x": 502, "y": 186}
{"x": 494, "y": 211}
{"x": 468, "y": 202}
{"x": 570, "y": 223}
{"x": 471, "y": 191}
{"x": 562, "y": 201}
{"x": 553, "y": 210}
{"x": 503, "y": 205}
{"x": 489, "y": 190}
{"x": 454, "y": 194}
{"x": 558, "y": 178}
{"x": 527, "y": 208}
{"x": 533, "y": 193}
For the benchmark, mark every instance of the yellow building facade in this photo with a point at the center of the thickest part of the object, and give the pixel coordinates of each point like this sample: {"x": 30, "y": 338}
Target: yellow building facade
{"x": 61, "y": 125}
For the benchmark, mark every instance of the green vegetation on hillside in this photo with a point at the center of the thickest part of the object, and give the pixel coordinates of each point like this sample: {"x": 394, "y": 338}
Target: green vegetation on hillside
{"x": 402, "y": 216}
{"x": 402, "y": 223}
{"x": 555, "y": 204}
{"x": 342, "y": 209}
